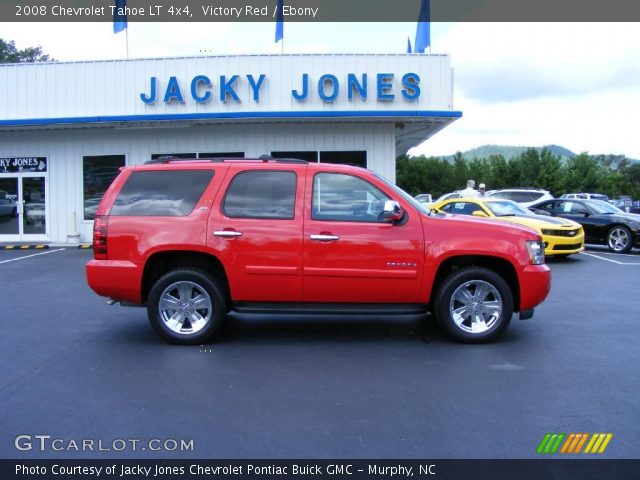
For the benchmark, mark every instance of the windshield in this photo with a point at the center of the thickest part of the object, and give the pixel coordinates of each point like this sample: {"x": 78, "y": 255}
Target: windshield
{"x": 506, "y": 207}
{"x": 403, "y": 194}
{"x": 600, "y": 206}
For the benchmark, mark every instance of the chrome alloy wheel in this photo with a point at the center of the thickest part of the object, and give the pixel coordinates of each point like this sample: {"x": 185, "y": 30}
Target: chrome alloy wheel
{"x": 185, "y": 307}
{"x": 619, "y": 239}
{"x": 475, "y": 306}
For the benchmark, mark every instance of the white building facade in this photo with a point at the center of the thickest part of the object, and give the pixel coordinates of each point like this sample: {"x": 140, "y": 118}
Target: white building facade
{"x": 66, "y": 128}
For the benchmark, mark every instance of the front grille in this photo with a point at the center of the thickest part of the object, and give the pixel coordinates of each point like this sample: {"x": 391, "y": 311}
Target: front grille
{"x": 574, "y": 246}
{"x": 561, "y": 233}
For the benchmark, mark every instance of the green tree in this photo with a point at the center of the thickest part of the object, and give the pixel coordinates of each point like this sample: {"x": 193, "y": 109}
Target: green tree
{"x": 583, "y": 174}
{"x": 10, "y": 54}
{"x": 552, "y": 173}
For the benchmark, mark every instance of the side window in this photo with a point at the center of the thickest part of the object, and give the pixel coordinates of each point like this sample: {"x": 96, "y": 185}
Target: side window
{"x": 547, "y": 207}
{"x": 462, "y": 208}
{"x": 340, "y": 197}
{"x": 162, "y": 193}
{"x": 578, "y": 208}
{"x": 261, "y": 194}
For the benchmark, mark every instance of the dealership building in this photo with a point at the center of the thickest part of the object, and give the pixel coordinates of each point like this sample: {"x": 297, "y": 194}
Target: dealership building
{"x": 66, "y": 128}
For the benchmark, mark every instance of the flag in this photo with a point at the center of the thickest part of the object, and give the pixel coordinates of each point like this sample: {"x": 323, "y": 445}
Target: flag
{"x": 279, "y": 21}
{"x": 423, "y": 33}
{"x": 119, "y": 21}
{"x": 408, "y": 45}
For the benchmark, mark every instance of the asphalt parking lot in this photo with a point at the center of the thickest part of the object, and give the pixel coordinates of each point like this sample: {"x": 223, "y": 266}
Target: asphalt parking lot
{"x": 75, "y": 368}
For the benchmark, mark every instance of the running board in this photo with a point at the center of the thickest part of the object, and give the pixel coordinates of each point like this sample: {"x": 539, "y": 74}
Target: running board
{"x": 330, "y": 308}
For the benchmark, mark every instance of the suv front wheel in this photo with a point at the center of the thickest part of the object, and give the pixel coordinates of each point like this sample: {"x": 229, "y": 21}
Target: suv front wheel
{"x": 186, "y": 306}
{"x": 474, "y": 305}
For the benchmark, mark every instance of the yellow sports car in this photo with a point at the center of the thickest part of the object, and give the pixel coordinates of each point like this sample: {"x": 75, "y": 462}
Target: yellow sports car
{"x": 562, "y": 237}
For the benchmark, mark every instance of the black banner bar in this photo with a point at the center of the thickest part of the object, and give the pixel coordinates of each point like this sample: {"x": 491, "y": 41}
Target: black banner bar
{"x": 322, "y": 10}
{"x": 320, "y": 469}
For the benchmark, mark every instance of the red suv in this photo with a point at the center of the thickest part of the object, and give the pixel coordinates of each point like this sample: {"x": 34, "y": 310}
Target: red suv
{"x": 195, "y": 239}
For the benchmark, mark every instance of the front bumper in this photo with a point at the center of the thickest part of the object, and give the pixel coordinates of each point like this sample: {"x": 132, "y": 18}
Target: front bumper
{"x": 535, "y": 283}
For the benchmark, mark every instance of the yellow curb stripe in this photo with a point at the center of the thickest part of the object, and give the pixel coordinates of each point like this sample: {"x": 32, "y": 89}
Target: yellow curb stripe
{"x": 583, "y": 439}
{"x": 605, "y": 443}
{"x": 567, "y": 442}
{"x": 596, "y": 446}
{"x": 594, "y": 437}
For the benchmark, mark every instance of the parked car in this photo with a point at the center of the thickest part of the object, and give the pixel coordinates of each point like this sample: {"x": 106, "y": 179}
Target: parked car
{"x": 603, "y": 223}
{"x": 587, "y": 196}
{"x": 193, "y": 240}
{"x": 8, "y": 206}
{"x": 561, "y": 237}
{"x": 627, "y": 204}
{"x": 523, "y": 196}
{"x": 424, "y": 198}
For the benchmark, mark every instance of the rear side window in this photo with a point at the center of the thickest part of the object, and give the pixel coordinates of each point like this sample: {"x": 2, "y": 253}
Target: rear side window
{"x": 517, "y": 196}
{"x": 161, "y": 193}
{"x": 261, "y": 194}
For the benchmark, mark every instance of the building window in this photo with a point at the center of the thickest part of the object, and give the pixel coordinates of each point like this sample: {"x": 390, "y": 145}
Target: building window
{"x": 345, "y": 198}
{"x": 261, "y": 194}
{"x": 309, "y": 156}
{"x": 97, "y": 174}
{"x": 221, "y": 155}
{"x": 357, "y": 158}
{"x": 155, "y": 156}
{"x": 163, "y": 193}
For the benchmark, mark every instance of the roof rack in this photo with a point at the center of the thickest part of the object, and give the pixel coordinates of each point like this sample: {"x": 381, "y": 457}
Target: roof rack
{"x": 263, "y": 158}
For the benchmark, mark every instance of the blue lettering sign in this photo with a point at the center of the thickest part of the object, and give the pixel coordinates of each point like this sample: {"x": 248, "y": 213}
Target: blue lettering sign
{"x": 200, "y": 79}
{"x": 255, "y": 86}
{"x": 173, "y": 91}
{"x": 305, "y": 88}
{"x": 410, "y": 82}
{"x": 226, "y": 88}
{"x": 354, "y": 85}
{"x": 333, "y": 81}
{"x": 384, "y": 85}
{"x": 152, "y": 95}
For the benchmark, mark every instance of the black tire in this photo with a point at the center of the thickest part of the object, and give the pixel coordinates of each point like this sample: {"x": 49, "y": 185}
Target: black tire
{"x": 624, "y": 241}
{"x": 474, "y": 281}
{"x": 194, "y": 285}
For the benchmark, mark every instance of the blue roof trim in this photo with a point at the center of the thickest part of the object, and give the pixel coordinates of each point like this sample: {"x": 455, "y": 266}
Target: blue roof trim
{"x": 231, "y": 115}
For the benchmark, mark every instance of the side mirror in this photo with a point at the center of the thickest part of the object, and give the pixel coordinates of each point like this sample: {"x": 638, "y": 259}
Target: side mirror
{"x": 480, "y": 213}
{"x": 392, "y": 211}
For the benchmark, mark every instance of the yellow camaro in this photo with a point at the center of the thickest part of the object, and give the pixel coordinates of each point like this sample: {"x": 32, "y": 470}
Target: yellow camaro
{"x": 561, "y": 237}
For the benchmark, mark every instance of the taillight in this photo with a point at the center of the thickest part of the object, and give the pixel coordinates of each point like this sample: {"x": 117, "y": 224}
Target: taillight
{"x": 100, "y": 225}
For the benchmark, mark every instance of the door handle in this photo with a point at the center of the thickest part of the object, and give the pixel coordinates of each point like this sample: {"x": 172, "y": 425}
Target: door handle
{"x": 324, "y": 238}
{"x": 227, "y": 233}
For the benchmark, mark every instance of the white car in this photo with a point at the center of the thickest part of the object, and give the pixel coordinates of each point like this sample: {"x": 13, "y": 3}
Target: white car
{"x": 524, "y": 196}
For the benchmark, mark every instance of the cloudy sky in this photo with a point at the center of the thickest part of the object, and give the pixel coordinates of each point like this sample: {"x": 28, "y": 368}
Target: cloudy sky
{"x": 575, "y": 85}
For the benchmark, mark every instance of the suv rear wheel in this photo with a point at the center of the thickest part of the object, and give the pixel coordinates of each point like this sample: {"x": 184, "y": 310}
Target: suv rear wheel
{"x": 474, "y": 305}
{"x": 186, "y": 306}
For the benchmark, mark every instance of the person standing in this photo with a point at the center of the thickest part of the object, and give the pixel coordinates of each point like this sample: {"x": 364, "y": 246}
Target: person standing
{"x": 470, "y": 191}
{"x": 482, "y": 190}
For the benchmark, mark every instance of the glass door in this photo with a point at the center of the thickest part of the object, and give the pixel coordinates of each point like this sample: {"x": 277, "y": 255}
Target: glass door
{"x": 9, "y": 219}
{"x": 34, "y": 213}
{"x": 23, "y": 208}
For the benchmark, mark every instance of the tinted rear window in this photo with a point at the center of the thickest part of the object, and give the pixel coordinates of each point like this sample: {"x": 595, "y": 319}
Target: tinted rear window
{"x": 161, "y": 193}
{"x": 261, "y": 194}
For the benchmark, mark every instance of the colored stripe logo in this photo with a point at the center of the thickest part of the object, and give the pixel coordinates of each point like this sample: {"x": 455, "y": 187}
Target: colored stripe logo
{"x": 574, "y": 443}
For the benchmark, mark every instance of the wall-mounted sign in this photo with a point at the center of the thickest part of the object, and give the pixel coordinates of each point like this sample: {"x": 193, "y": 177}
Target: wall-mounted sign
{"x": 23, "y": 164}
{"x": 385, "y": 87}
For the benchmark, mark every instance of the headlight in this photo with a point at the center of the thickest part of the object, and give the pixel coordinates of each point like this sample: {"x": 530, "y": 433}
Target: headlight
{"x": 536, "y": 251}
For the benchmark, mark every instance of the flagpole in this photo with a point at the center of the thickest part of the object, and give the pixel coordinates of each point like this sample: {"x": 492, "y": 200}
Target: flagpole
{"x": 126, "y": 32}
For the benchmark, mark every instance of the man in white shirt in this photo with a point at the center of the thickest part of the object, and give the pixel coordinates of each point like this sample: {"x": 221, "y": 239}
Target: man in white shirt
{"x": 470, "y": 191}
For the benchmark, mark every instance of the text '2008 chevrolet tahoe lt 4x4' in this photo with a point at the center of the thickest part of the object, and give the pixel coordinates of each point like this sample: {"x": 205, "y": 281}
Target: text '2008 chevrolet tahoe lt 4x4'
{"x": 195, "y": 239}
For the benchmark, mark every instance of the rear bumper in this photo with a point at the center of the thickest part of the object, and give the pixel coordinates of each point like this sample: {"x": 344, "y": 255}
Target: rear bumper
{"x": 120, "y": 280}
{"x": 535, "y": 283}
